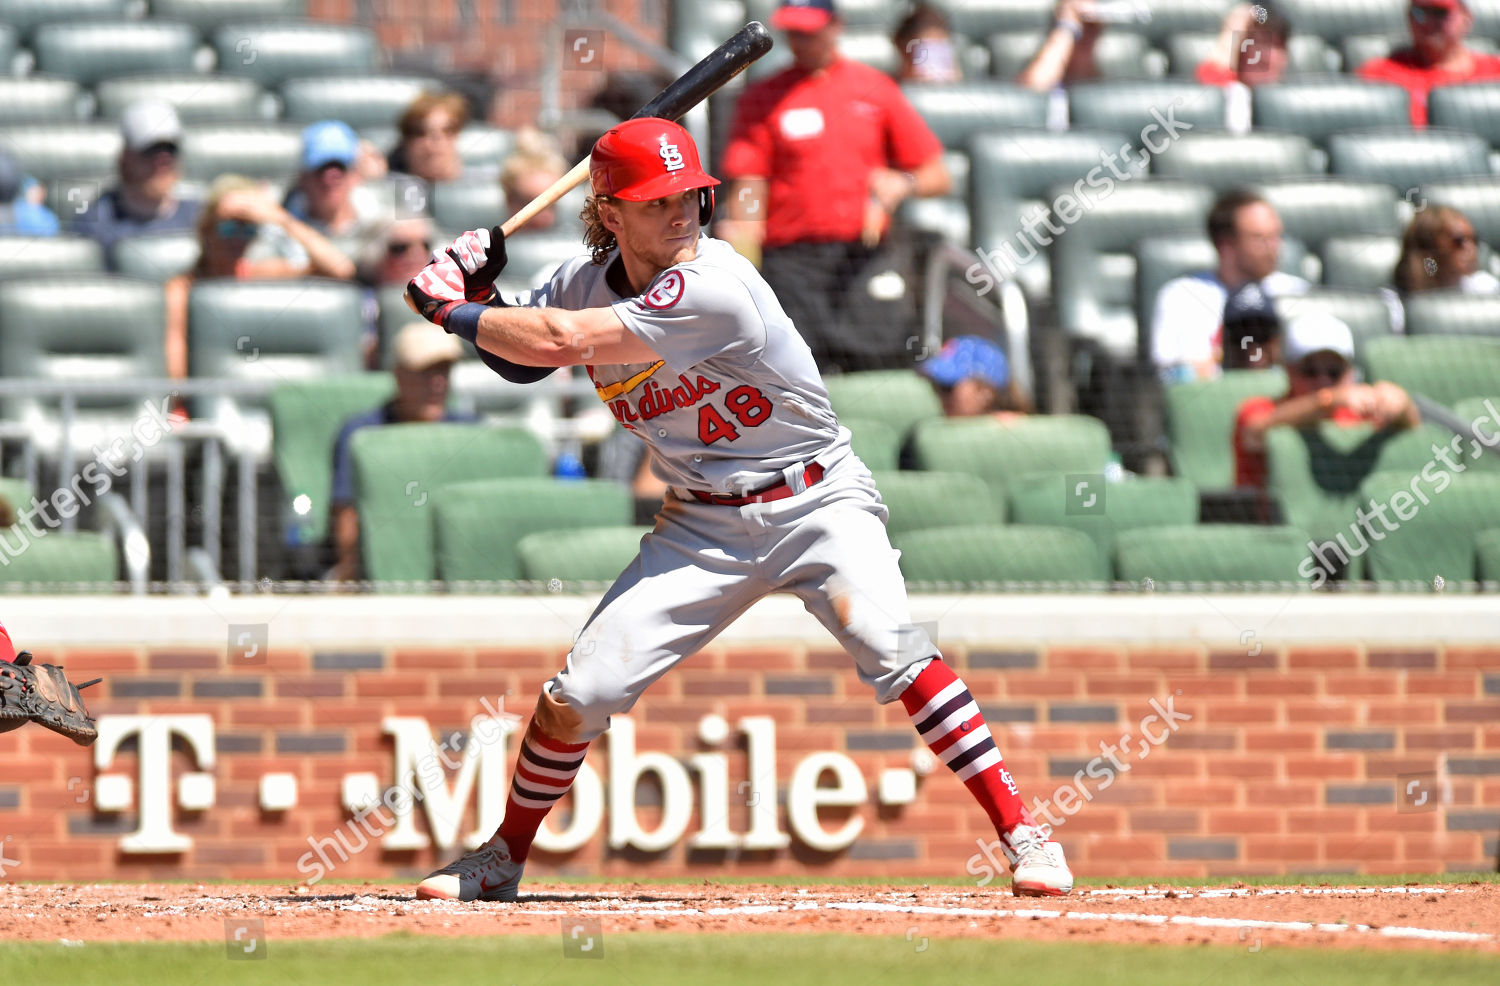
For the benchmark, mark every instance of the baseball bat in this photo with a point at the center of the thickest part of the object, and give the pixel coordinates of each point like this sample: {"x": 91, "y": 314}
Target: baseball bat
{"x": 695, "y": 85}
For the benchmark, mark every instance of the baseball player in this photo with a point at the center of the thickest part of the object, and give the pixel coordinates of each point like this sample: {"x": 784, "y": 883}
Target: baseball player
{"x": 41, "y": 693}
{"x": 691, "y": 351}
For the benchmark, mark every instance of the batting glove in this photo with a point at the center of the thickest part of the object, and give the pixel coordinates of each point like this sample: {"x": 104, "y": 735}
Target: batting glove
{"x": 480, "y": 254}
{"x": 437, "y": 290}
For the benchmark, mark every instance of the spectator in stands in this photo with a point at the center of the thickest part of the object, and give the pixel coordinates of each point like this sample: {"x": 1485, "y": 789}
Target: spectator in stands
{"x": 527, "y": 172}
{"x": 429, "y": 137}
{"x": 1067, "y": 51}
{"x": 972, "y": 377}
{"x": 237, "y": 211}
{"x": 924, "y": 42}
{"x": 1252, "y": 331}
{"x": 424, "y": 356}
{"x": 826, "y": 150}
{"x": 329, "y": 195}
{"x": 1437, "y": 55}
{"x": 1439, "y": 250}
{"x": 1251, "y": 48}
{"x": 145, "y": 200}
{"x": 1318, "y": 353}
{"x": 1187, "y": 323}
{"x": 394, "y": 257}
{"x": 21, "y": 210}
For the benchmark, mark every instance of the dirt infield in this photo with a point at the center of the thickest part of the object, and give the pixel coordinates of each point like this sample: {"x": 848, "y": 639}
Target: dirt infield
{"x": 1464, "y": 916}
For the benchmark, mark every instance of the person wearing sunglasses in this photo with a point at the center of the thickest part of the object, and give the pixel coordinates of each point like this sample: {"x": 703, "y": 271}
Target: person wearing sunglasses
{"x": 1439, "y": 250}
{"x": 1317, "y": 351}
{"x": 144, "y": 201}
{"x": 328, "y": 196}
{"x": 1437, "y": 55}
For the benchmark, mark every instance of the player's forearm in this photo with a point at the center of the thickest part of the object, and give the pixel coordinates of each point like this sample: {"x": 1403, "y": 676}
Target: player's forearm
{"x": 529, "y": 336}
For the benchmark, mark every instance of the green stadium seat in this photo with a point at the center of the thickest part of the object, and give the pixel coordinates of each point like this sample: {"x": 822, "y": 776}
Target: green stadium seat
{"x": 1170, "y": 18}
{"x": 1003, "y": 454}
{"x": 1474, "y": 107}
{"x": 25, "y": 16}
{"x": 9, "y": 42}
{"x": 897, "y": 398}
{"x": 271, "y": 151}
{"x": 981, "y": 18}
{"x": 1093, "y": 264}
{"x": 1159, "y": 259}
{"x": 997, "y": 554}
{"x": 17, "y": 493}
{"x": 83, "y": 562}
{"x": 206, "y": 15}
{"x": 399, "y": 473}
{"x": 359, "y": 101}
{"x": 38, "y": 100}
{"x": 87, "y": 51}
{"x": 197, "y": 98}
{"x": 877, "y": 444}
{"x": 872, "y": 48}
{"x": 1306, "y": 53}
{"x": 1200, "y": 423}
{"x": 1103, "y": 510}
{"x": 956, "y": 111}
{"x": 1315, "y": 473}
{"x": 1487, "y": 548}
{"x": 1363, "y": 262}
{"x": 1357, "y": 49}
{"x": 27, "y": 256}
{"x": 533, "y": 258}
{"x": 273, "y": 52}
{"x": 479, "y": 522}
{"x": 1125, "y": 107}
{"x": 1318, "y": 108}
{"x": 921, "y": 500}
{"x": 697, "y": 27}
{"x": 1117, "y": 54}
{"x": 1229, "y": 555}
{"x": 590, "y": 554}
{"x": 1453, "y": 313}
{"x": 1314, "y": 209}
{"x": 305, "y": 420}
{"x": 1476, "y": 198}
{"x": 1407, "y": 159}
{"x": 1445, "y": 368}
{"x": 1484, "y": 409}
{"x": 465, "y": 205}
{"x": 1367, "y": 313}
{"x": 72, "y": 154}
{"x": 1339, "y": 18}
{"x": 1436, "y": 538}
{"x": 1225, "y": 161}
{"x": 156, "y": 257}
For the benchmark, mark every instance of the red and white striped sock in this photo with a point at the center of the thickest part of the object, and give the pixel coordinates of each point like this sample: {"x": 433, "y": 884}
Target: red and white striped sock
{"x": 950, "y": 722}
{"x": 545, "y": 768}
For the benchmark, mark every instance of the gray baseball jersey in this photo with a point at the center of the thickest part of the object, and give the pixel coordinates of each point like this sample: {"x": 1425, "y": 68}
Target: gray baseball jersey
{"x": 735, "y": 398}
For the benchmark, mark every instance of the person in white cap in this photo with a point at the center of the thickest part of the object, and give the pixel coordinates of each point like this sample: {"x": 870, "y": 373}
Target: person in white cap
{"x": 1318, "y": 353}
{"x": 145, "y": 200}
{"x": 423, "y": 356}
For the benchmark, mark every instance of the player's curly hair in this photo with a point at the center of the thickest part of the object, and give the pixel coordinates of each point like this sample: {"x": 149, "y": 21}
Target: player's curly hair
{"x": 596, "y": 236}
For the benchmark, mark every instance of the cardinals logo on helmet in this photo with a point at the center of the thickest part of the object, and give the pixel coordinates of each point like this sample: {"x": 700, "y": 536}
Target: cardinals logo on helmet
{"x": 671, "y": 156}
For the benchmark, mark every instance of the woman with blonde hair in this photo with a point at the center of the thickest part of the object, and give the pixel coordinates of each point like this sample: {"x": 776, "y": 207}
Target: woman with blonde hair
{"x": 1439, "y": 250}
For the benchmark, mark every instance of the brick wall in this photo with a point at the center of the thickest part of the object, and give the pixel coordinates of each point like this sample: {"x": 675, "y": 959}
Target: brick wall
{"x": 1295, "y": 759}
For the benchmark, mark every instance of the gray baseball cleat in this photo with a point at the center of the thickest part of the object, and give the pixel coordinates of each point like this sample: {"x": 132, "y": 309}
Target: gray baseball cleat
{"x": 487, "y": 873}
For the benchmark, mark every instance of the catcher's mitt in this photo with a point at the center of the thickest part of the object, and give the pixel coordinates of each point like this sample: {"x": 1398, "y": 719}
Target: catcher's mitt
{"x": 42, "y": 694}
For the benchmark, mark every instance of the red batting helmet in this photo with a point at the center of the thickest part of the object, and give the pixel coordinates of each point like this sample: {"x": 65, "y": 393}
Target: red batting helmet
{"x": 650, "y": 158}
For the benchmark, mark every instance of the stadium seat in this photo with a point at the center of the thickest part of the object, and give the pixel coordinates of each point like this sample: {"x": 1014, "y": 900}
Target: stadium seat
{"x": 1117, "y": 54}
{"x": 956, "y": 111}
{"x": 1200, "y": 423}
{"x": 1357, "y": 49}
{"x": 1305, "y": 53}
{"x": 1169, "y": 18}
{"x": 1453, "y": 313}
{"x": 591, "y": 554}
{"x": 82, "y": 562}
{"x": 1445, "y": 368}
{"x": 305, "y": 420}
{"x": 1367, "y": 313}
{"x": 898, "y": 398}
{"x": 1315, "y": 473}
{"x": 271, "y": 151}
{"x": 155, "y": 258}
{"x": 1433, "y": 538}
{"x": 197, "y": 98}
{"x": 1313, "y": 209}
{"x": 399, "y": 472}
{"x": 1487, "y": 550}
{"x": 1476, "y": 198}
{"x": 1244, "y": 555}
{"x": 981, "y": 18}
{"x": 1003, "y": 454}
{"x": 697, "y": 27}
{"x": 1482, "y": 413}
{"x": 1011, "y": 177}
{"x": 1041, "y": 557}
{"x": 1339, "y": 18}
{"x": 1317, "y": 108}
{"x": 359, "y": 101}
{"x": 1408, "y": 159}
{"x": 206, "y": 15}
{"x": 464, "y": 205}
{"x": 921, "y": 500}
{"x": 29, "y": 256}
{"x": 271, "y": 53}
{"x": 877, "y": 444}
{"x": 479, "y": 522}
{"x": 1134, "y": 108}
{"x": 532, "y": 258}
{"x": 1102, "y": 510}
{"x": 9, "y": 42}
{"x": 1093, "y": 267}
{"x": 1360, "y": 262}
{"x": 1474, "y": 107}
{"x": 89, "y": 50}
{"x": 25, "y": 16}
{"x": 1225, "y": 161}
{"x": 38, "y": 100}
{"x": 16, "y": 492}
{"x": 71, "y": 152}
{"x": 870, "y": 47}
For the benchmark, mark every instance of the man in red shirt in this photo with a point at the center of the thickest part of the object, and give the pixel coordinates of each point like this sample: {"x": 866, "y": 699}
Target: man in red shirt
{"x": 820, "y": 156}
{"x": 1437, "y": 55}
{"x": 1318, "y": 353}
